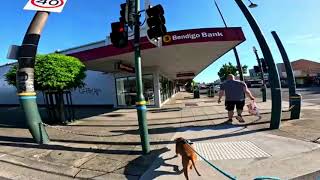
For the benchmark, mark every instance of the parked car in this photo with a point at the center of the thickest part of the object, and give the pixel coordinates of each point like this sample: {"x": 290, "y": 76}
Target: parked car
{"x": 216, "y": 88}
{"x": 203, "y": 89}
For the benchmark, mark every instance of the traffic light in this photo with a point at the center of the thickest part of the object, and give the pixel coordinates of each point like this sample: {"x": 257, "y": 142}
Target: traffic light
{"x": 119, "y": 30}
{"x": 264, "y": 65}
{"x": 156, "y": 22}
{"x": 123, "y": 13}
{"x": 119, "y": 34}
{"x": 256, "y": 69}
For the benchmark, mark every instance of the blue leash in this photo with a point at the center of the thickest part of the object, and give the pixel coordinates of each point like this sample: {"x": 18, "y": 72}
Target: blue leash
{"x": 212, "y": 165}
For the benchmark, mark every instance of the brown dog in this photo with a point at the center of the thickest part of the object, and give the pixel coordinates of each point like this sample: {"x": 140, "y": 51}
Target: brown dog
{"x": 188, "y": 155}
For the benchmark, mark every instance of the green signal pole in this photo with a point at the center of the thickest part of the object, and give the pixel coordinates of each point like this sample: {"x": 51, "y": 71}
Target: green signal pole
{"x": 294, "y": 98}
{"x": 140, "y": 101}
{"x": 25, "y": 77}
{"x": 274, "y": 79}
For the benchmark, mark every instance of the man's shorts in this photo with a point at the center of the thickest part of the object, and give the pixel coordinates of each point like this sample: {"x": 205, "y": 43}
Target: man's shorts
{"x": 231, "y": 104}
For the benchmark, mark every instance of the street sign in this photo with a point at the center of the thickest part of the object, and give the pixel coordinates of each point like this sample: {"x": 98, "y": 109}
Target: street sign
{"x": 45, "y": 5}
{"x": 13, "y": 52}
{"x": 186, "y": 74}
{"x": 125, "y": 67}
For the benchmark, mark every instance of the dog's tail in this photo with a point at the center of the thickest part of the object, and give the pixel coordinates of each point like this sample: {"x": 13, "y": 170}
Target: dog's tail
{"x": 195, "y": 166}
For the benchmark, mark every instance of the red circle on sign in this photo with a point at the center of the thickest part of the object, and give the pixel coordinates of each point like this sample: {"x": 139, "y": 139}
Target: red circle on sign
{"x": 61, "y": 3}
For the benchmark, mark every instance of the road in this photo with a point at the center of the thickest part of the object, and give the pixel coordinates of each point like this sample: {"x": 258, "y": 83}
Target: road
{"x": 310, "y": 95}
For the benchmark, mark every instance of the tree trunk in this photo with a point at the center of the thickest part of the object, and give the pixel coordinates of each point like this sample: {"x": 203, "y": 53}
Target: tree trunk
{"x": 60, "y": 107}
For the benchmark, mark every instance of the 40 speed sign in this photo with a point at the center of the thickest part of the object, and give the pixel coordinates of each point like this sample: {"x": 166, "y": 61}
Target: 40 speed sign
{"x": 45, "y": 5}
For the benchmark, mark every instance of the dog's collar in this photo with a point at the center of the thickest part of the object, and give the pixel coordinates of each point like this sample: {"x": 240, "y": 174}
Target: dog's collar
{"x": 186, "y": 141}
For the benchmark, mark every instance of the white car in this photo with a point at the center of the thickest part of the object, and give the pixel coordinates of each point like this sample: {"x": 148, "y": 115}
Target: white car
{"x": 216, "y": 88}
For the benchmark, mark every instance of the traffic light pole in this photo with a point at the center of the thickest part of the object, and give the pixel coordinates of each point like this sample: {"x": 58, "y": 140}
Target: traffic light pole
{"x": 263, "y": 86}
{"x": 274, "y": 79}
{"x": 140, "y": 100}
{"x": 25, "y": 77}
{"x": 294, "y": 98}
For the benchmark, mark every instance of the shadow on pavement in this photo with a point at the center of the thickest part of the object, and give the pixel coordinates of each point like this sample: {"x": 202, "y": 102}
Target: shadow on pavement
{"x": 11, "y": 143}
{"x": 36, "y": 169}
{"x": 13, "y": 117}
{"x": 141, "y": 164}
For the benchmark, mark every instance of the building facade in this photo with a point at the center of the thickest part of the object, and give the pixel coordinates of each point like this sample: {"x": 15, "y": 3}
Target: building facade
{"x": 306, "y": 72}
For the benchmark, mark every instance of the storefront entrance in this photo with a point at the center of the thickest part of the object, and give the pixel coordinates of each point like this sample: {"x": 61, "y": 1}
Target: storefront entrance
{"x": 126, "y": 90}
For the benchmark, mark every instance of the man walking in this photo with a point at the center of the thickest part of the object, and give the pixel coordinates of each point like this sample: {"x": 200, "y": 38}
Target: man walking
{"x": 235, "y": 96}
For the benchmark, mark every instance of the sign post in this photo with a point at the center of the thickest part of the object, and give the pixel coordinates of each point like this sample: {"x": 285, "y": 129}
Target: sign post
{"x": 26, "y": 61}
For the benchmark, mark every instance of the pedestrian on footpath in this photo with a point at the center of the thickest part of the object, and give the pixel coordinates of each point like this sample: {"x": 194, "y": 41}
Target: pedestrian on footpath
{"x": 234, "y": 92}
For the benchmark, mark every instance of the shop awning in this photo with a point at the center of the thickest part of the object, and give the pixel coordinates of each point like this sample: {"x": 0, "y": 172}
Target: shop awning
{"x": 184, "y": 53}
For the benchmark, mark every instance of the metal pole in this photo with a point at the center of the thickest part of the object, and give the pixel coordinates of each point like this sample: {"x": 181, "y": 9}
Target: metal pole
{"x": 234, "y": 49}
{"x": 294, "y": 98}
{"x": 276, "y": 109}
{"x": 263, "y": 86}
{"x": 25, "y": 77}
{"x": 140, "y": 101}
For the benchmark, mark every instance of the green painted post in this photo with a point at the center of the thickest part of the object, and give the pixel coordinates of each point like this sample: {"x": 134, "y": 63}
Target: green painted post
{"x": 25, "y": 77}
{"x": 140, "y": 101}
{"x": 274, "y": 79}
{"x": 263, "y": 86}
{"x": 294, "y": 98}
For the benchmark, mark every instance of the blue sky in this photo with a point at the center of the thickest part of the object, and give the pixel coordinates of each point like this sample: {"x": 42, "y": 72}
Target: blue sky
{"x": 295, "y": 21}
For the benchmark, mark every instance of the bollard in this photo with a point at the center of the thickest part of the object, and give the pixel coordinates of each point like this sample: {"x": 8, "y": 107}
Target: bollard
{"x": 295, "y": 106}
{"x": 196, "y": 93}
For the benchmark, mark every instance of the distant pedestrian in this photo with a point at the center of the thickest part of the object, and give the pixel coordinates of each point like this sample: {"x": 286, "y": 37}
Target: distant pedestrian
{"x": 234, "y": 91}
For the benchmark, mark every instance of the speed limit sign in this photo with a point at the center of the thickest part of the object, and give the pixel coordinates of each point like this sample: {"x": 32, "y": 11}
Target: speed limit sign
{"x": 45, "y": 5}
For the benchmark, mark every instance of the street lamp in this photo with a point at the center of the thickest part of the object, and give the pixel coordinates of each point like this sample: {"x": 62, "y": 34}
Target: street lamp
{"x": 274, "y": 79}
{"x": 234, "y": 49}
{"x": 263, "y": 85}
{"x": 252, "y": 5}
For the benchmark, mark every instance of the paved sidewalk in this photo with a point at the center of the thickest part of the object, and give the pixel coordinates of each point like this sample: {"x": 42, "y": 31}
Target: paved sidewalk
{"x": 115, "y": 151}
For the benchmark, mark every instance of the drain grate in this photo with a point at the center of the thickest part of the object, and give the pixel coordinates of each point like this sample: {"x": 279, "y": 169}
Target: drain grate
{"x": 229, "y": 150}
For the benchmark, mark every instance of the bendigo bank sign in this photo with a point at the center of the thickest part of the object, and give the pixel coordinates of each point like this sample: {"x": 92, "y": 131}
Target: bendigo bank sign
{"x": 192, "y": 36}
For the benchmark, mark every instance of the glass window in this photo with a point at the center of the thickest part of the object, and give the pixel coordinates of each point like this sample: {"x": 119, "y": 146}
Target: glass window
{"x": 148, "y": 89}
{"x": 126, "y": 90}
{"x": 121, "y": 91}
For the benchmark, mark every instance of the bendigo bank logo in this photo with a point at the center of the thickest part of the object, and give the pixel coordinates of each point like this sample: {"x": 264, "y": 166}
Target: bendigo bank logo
{"x": 167, "y": 38}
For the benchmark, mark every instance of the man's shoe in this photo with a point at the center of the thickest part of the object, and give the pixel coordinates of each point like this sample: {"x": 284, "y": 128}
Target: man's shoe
{"x": 240, "y": 119}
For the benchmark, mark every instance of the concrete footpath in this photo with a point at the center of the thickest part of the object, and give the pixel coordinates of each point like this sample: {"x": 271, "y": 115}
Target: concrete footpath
{"x": 105, "y": 144}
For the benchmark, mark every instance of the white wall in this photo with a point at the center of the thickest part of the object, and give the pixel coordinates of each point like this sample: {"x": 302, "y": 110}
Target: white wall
{"x": 99, "y": 90}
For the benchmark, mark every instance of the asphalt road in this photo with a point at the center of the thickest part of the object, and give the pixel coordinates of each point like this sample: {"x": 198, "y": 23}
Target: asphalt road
{"x": 310, "y": 95}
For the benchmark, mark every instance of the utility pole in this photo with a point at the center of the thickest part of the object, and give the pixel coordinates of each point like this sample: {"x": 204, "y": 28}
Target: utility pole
{"x": 25, "y": 77}
{"x": 234, "y": 49}
{"x": 140, "y": 100}
{"x": 263, "y": 85}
